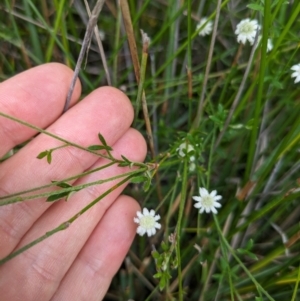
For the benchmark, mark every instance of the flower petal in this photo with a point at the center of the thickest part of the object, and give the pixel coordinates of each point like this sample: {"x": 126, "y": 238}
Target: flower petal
{"x": 145, "y": 212}
{"x": 197, "y": 198}
{"x": 217, "y": 205}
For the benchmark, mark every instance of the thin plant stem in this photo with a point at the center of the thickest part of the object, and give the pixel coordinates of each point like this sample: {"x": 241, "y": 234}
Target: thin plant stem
{"x": 238, "y": 95}
{"x": 100, "y": 45}
{"x": 38, "y": 129}
{"x": 64, "y": 225}
{"x": 76, "y": 177}
{"x": 222, "y": 237}
{"x": 75, "y": 188}
{"x": 86, "y": 41}
{"x": 258, "y": 99}
{"x": 208, "y": 65}
{"x": 296, "y": 286}
{"x": 178, "y": 226}
{"x": 57, "y": 25}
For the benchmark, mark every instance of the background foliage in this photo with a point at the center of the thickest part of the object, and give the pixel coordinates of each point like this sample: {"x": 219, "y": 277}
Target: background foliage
{"x": 253, "y": 162}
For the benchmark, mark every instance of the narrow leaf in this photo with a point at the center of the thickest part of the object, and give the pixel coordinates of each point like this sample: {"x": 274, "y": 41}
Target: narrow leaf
{"x": 42, "y": 154}
{"x": 49, "y": 157}
{"x": 61, "y": 184}
{"x": 96, "y": 147}
{"x": 101, "y": 138}
{"x": 255, "y": 6}
{"x": 138, "y": 179}
{"x": 146, "y": 185}
{"x": 57, "y": 196}
{"x": 125, "y": 159}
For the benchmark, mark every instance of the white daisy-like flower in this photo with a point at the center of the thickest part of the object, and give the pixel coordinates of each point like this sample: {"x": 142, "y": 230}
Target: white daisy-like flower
{"x": 296, "y": 73}
{"x": 147, "y": 222}
{"x": 206, "y": 27}
{"x": 269, "y": 45}
{"x": 207, "y": 201}
{"x": 184, "y": 149}
{"x": 246, "y": 30}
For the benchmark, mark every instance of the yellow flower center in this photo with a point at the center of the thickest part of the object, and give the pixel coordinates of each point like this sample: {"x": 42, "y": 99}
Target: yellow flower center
{"x": 147, "y": 222}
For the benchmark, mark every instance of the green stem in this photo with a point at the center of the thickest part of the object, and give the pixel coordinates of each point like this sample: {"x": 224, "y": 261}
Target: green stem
{"x": 69, "y": 143}
{"x": 180, "y": 215}
{"x": 38, "y": 129}
{"x": 69, "y": 189}
{"x": 222, "y": 237}
{"x": 262, "y": 71}
{"x": 58, "y": 20}
{"x": 78, "y": 176}
{"x": 64, "y": 225}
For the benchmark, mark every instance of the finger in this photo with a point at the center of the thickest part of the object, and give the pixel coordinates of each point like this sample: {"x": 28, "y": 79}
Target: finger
{"x": 101, "y": 257}
{"x": 36, "y": 96}
{"x": 46, "y": 263}
{"x": 106, "y": 110}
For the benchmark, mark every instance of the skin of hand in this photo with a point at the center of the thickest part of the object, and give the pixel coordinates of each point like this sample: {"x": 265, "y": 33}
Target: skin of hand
{"x": 77, "y": 263}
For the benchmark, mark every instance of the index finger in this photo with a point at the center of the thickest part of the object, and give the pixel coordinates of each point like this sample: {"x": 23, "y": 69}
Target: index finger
{"x": 35, "y": 96}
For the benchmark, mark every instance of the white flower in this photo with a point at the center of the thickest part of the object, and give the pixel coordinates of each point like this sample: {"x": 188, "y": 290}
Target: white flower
{"x": 147, "y": 222}
{"x": 207, "y": 201}
{"x": 246, "y": 30}
{"x": 184, "y": 149}
{"x": 206, "y": 28}
{"x": 269, "y": 45}
{"x": 296, "y": 74}
{"x": 192, "y": 166}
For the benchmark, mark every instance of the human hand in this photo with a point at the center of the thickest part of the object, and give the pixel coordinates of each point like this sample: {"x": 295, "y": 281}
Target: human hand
{"x": 77, "y": 263}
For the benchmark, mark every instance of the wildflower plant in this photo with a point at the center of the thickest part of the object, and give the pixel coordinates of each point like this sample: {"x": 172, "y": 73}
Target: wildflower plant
{"x": 204, "y": 26}
{"x": 246, "y": 31}
{"x": 206, "y": 201}
{"x": 147, "y": 221}
{"x": 219, "y": 187}
{"x": 296, "y": 73}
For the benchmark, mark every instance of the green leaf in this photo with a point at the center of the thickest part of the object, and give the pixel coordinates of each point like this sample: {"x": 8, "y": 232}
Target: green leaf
{"x": 138, "y": 179}
{"x": 249, "y": 244}
{"x": 125, "y": 159}
{"x": 57, "y": 196}
{"x": 157, "y": 275}
{"x": 164, "y": 246}
{"x": 155, "y": 254}
{"x": 162, "y": 283}
{"x": 146, "y": 185}
{"x": 248, "y": 253}
{"x": 97, "y": 147}
{"x": 61, "y": 184}
{"x": 49, "y": 157}
{"x": 102, "y": 140}
{"x": 255, "y": 6}
{"x": 42, "y": 154}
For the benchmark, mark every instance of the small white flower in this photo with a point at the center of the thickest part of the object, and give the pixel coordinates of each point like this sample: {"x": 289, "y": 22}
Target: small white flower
{"x": 206, "y": 28}
{"x": 246, "y": 30}
{"x": 147, "y": 222}
{"x": 296, "y": 74}
{"x": 184, "y": 149}
{"x": 207, "y": 201}
{"x": 192, "y": 166}
{"x": 269, "y": 45}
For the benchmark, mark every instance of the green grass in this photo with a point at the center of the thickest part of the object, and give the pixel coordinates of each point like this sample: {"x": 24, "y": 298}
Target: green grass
{"x": 251, "y": 159}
